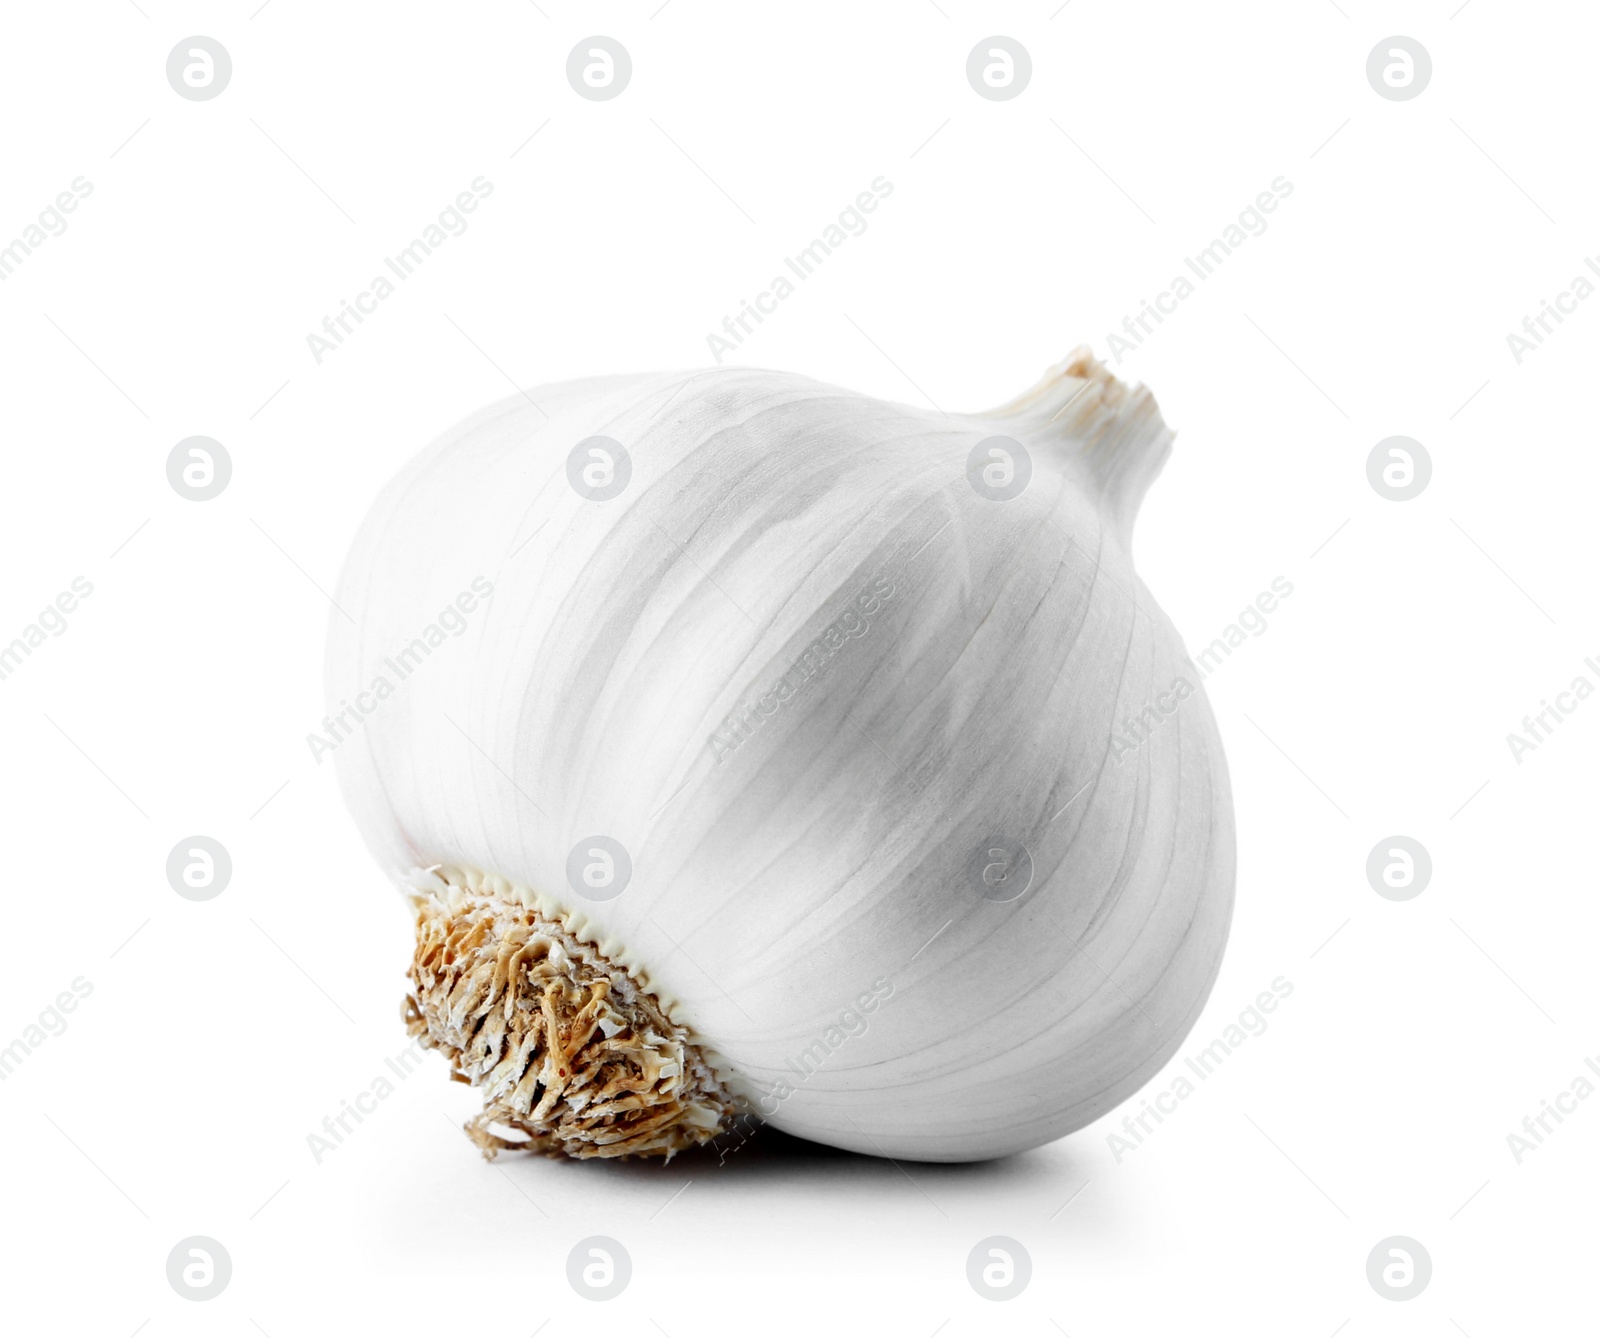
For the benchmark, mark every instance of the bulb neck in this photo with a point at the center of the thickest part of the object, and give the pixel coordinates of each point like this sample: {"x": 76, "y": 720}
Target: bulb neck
{"x": 1111, "y": 434}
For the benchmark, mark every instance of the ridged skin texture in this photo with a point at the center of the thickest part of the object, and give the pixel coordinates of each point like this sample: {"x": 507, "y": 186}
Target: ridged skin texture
{"x": 826, "y": 861}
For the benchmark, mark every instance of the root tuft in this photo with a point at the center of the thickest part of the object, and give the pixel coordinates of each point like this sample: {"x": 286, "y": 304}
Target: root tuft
{"x": 573, "y": 1056}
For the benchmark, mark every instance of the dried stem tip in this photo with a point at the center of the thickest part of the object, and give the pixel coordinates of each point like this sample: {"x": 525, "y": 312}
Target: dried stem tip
{"x": 571, "y": 1053}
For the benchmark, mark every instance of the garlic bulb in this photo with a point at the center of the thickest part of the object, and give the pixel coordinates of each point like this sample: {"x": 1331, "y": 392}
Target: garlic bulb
{"x": 746, "y": 744}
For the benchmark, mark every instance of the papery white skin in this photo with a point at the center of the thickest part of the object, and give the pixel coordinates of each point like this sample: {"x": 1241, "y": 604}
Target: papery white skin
{"x": 776, "y": 884}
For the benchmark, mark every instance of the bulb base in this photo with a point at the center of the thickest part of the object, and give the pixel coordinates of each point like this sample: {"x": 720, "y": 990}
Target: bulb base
{"x": 575, "y": 1058}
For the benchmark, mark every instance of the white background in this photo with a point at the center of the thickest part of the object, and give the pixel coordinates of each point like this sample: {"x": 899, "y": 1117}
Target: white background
{"x": 219, "y": 1034}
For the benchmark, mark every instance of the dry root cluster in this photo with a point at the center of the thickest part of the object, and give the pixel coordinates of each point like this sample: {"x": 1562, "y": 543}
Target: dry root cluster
{"x": 572, "y": 1056}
